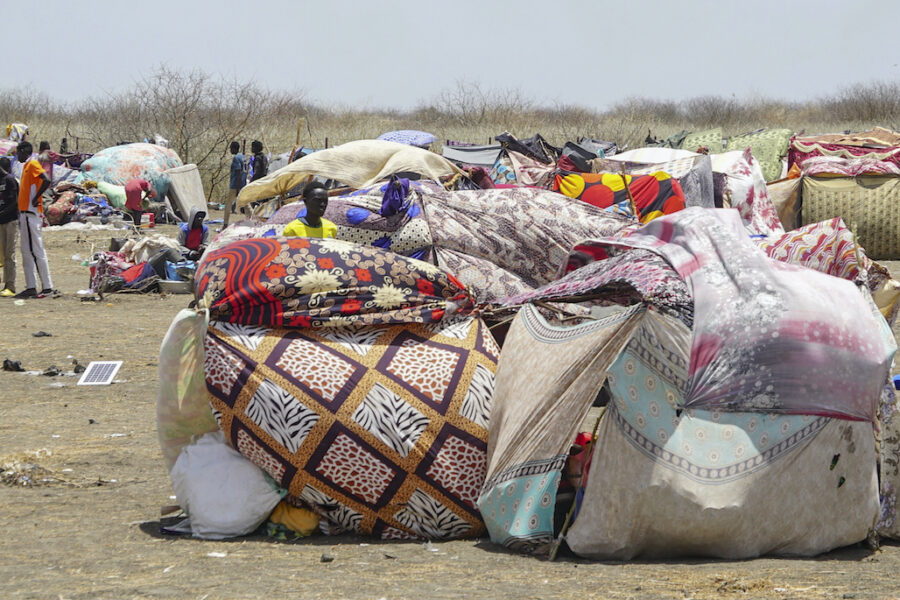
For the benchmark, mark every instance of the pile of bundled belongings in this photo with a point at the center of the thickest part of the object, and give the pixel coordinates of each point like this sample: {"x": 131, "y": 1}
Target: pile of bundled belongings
{"x": 139, "y": 265}
{"x": 358, "y": 380}
{"x": 671, "y": 382}
{"x": 117, "y": 165}
{"x": 709, "y": 443}
{"x": 852, "y": 176}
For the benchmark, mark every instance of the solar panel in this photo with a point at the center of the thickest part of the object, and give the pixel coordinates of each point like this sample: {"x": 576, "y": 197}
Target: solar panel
{"x": 100, "y": 372}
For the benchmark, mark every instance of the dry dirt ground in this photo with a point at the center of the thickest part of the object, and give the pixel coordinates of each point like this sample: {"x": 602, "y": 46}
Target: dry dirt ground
{"x": 92, "y": 531}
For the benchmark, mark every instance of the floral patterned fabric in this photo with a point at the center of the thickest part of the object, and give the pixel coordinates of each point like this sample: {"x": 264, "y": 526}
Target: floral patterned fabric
{"x": 380, "y": 430}
{"x": 311, "y": 282}
{"x": 119, "y": 164}
{"x": 626, "y": 278}
{"x": 795, "y": 341}
{"x": 522, "y": 231}
{"x": 745, "y": 190}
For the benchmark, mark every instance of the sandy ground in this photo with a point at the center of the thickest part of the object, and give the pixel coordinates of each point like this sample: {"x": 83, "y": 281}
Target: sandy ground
{"x": 92, "y": 531}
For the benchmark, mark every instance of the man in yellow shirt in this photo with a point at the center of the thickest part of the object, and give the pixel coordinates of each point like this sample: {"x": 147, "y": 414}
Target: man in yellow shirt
{"x": 313, "y": 224}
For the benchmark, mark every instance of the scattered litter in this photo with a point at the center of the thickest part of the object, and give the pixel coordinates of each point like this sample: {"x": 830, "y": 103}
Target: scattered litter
{"x": 167, "y": 569}
{"x": 19, "y": 302}
{"x": 51, "y": 371}
{"x": 77, "y": 257}
{"x": 12, "y": 365}
{"x": 429, "y": 546}
{"x": 834, "y": 461}
{"x": 217, "y": 554}
{"x": 77, "y": 368}
{"x": 326, "y": 558}
{"x": 58, "y": 384}
{"x": 54, "y": 435}
{"x": 85, "y": 292}
{"x": 67, "y": 470}
{"x": 841, "y": 481}
{"x": 100, "y": 372}
{"x": 92, "y": 422}
{"x": 41, "y": 334}
{"x": 389, "y": 555}
{"x": 115, "y": 435}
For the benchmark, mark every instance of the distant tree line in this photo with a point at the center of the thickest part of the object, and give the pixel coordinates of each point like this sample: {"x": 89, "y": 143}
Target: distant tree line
{"x": 199, "y": 114}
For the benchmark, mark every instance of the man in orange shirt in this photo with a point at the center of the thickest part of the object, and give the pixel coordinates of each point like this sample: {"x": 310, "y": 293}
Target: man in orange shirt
{"x": 33, "y": 184}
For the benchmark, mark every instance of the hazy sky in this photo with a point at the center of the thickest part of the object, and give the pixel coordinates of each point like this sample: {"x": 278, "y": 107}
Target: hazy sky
{"x": 400, "y": 53}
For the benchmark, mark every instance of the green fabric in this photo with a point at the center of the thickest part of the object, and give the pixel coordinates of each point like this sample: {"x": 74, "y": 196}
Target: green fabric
{"x": 114, "y": 193}
{"x": 711, "y": 138}
{"x": 673, "y": 141}
{"x": 768, "y": 148}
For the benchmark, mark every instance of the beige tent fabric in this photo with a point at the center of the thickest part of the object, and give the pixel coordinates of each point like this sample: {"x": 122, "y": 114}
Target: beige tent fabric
{"x": 546, "y": 380}
{"x": 868, "y": 205}
{"x": 357, "y": 164}
{"x": 785, "y": 195}
{"x": 720, "y": 484}
{"x": 545, "y": 386}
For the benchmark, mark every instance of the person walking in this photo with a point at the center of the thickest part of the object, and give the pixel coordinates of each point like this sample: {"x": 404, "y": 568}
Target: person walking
{"x": 33, "y": 184}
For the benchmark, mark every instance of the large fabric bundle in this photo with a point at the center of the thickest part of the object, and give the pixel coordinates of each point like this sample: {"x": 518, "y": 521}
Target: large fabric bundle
{"x": 381, "y": 430}
{"x": 877, "y": 144}
{"x": 118, "y": 164}
{"x": 665, "y": 483}
{"x": 791, "y": 331}
{"x": 310, "y": 282}
{"x": 525, "y": 232}
{"x": 745, "y": 190}
{"x": 675, "y": 471}
{"x": 867, "y": 204}
{"x": 692, "y": 171}
{"x": 357, "y": 164}
{"x": 768, "y": 146}
{"x": 654, "y": 195}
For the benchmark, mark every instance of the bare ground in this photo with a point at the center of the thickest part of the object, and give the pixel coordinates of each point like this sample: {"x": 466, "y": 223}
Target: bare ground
{"x": 89, "y": 528}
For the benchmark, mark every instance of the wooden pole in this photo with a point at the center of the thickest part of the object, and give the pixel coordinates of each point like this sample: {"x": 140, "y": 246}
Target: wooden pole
{"x": 628, "y": 193}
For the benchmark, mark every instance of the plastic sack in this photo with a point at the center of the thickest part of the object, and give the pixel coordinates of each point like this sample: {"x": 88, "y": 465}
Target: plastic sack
{"x": 182, "y": 405}
{"x": 225, "y": 494}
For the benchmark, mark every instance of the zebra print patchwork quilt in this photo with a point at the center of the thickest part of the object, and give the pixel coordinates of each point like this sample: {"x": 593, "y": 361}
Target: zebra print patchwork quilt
{"x": 382, "y": 430}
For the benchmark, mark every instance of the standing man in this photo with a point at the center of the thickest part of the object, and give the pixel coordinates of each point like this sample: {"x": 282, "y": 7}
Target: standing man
{"x": 32, "y": 186}
{"x": 259, "y": 167}
{"x": 237, "y": 179}
{"x": 9, "y": 226}
{"x": 136, "y": 190}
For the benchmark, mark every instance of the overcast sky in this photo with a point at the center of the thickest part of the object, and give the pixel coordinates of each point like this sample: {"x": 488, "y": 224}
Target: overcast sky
{"x": 400, "y": 53}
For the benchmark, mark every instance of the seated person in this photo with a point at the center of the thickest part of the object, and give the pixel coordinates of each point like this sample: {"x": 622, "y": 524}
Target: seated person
{"x": 193, "y": 235}
{"x": 312, "y": 224}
